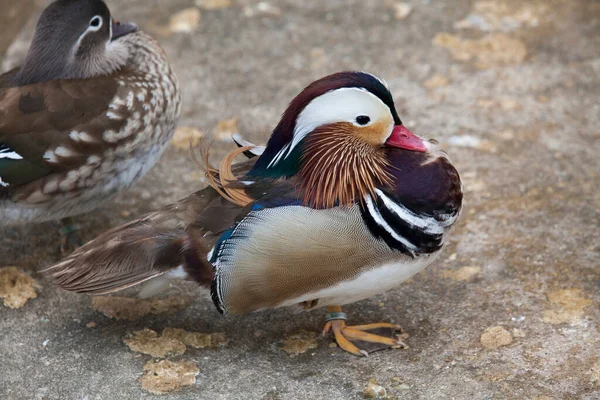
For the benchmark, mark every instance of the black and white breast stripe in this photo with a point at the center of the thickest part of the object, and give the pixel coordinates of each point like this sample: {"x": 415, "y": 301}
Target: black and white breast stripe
{"x": 401, "y": 228}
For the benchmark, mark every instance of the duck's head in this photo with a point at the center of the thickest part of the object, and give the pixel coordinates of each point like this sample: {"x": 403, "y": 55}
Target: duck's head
{"x": 75, "y": 39}
{"x": 336, "y": 136}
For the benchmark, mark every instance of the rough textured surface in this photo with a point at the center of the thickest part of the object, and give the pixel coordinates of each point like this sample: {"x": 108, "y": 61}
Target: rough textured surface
{"x": 16, "y": 287}
{"x": 167, "y": 376}
{"x": 524, "y": 135}
{"x": 130, "y": 309}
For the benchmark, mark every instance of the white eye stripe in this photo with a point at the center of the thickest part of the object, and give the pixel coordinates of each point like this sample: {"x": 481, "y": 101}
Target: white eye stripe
{"x": 96, "y": 19}
{"x": 339, "y": 105}
{"x": 95, "y": 23}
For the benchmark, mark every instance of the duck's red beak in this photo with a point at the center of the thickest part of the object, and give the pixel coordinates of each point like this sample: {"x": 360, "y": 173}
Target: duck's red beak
{"x": 402, "y": 138}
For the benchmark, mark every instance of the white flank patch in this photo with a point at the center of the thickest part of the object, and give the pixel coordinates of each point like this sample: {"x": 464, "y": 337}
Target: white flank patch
{"x": 369, "y": 283}
{"x": 2, "y": 183}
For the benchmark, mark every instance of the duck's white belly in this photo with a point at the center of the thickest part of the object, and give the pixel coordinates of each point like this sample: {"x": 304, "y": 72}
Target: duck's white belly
{"x": 369, "y": 283}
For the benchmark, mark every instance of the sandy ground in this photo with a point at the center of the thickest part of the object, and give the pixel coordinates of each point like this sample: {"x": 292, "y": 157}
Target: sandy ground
{"x": 510, "y": 310}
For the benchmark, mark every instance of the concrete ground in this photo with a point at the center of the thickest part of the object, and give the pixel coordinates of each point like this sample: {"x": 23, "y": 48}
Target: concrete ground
{"x": 511, "y": 309}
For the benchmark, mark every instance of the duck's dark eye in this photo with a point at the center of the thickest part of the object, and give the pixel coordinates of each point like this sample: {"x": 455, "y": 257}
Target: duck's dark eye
{"x": 96, "y": 22}
{"x": 363, "y": 119}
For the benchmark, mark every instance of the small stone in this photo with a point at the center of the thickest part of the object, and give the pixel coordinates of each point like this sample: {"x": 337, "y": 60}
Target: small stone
{"x": 268, "y": 9}
{"x": 374, "y": 390}
{"x": 401, "y": 10}
{"x": 333, "y": 345}
{"x": 262, "y": 8}
{"x": 125, "y": 213}
{"x": 518, "y": 333}
{"x": 185, "y": 21}
{"x": 16, "y": 287}
{"x": 91, "y": 324}
{"x": 494, "y": 337}
{"x": 167, "y": 376}
{"x": 213, "y": 4}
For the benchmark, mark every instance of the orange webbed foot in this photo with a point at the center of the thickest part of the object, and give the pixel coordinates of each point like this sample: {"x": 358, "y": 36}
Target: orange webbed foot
{"x": 345, "y": 334}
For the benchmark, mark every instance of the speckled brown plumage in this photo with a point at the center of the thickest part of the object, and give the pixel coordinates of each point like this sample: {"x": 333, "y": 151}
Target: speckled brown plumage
{"x": 87, "y": 138}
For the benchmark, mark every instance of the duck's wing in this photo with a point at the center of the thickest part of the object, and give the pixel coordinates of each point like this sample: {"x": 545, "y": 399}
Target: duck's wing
{"x": 180, "y": 234}
{"x": 55, "y": 126}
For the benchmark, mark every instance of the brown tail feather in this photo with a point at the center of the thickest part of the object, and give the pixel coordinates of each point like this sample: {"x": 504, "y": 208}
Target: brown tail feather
{"x": 131, "y": 254}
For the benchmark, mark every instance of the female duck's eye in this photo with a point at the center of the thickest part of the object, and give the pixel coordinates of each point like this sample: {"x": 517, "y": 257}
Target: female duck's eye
{"x": 363, "y": 119}
{"x": 96, "y": 22}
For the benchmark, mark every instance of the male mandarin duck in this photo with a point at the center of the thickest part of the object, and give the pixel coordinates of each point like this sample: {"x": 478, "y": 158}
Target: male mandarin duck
{"x": 89, "y": 112}
{"x": 342, "y": 204}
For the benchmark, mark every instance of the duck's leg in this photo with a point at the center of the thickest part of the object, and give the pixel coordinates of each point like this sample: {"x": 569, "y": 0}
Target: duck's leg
{"x": 344, "y": 334}
{"x": 70, "y": 239}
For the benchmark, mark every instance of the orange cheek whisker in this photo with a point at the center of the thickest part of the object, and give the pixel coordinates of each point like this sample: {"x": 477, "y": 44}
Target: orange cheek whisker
{"x": 340, "y": 168}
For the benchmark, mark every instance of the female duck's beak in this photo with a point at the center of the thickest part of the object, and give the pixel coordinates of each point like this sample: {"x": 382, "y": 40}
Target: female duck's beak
{"x": 402, "y": 138}
{"x": 120, "y": 29}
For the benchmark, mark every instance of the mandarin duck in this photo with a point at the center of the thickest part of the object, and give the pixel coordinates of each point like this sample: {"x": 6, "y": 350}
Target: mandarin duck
{"x": 342, "y": 204}
{"x": 87, "y": 114}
